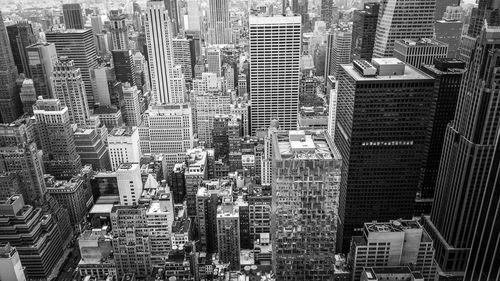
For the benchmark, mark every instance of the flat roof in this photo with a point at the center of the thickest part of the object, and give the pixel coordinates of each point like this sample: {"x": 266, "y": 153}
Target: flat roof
{"x": 274, "y": 19}
{"x": 304, "y": 145}
{"x": 101, "y": 209}
{"x": 122, "y": 131}
{"x": 410, "y": 73}
{"x": 392, "y": 226}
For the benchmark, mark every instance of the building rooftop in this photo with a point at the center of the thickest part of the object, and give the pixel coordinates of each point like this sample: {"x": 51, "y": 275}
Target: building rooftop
{"x": 106, "y": 110}
{"x": 386, "y": 69}
{"x": 392, "y": 226}
{"x": 304, "y": 145}
{"x": 181, "y": 226}
{"x": 420, "y": 42}
{"x": 122, "y": 131}
{"x": 262, "y": 19}
{"x": 101, "y": 209}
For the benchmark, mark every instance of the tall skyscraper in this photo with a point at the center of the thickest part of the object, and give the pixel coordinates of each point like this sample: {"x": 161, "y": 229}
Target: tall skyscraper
{"x": 449, "y": 29}
{"x": 306, "y": 187}
{"x": 381, "y": 163}
{"x": 68, "y": 87}
{"x": 123, "y": 62}
{"x": 228, "y": 233}
{"x": 487, "y": 10}
{"x": 56, "y": 137}
{"x": 402, "y": 19}
{"x": 10, "y": 102}
{"x": 167, "y": 80}
{"x": 338, "y": 50}
{"x": 41, "y": 60}
{"x": 173, "y": 14}
{"x": 73, "y": 17}
{"x": 364, "y": 29}
{"x": 219, "y": 22}
{"x": 79, "y": 46}
{"x": 118, "y": 30}
{"x": 448, "y": 73}
{"x": 467, "y": 158}
{"x": 326, "y": 12}
{"x": 20, "y": 36}
{"x": 183, "y": 56}
{"x": 484, "y": 258}
{"x": 274, "y": 77}
{"x": 131, "y": 109}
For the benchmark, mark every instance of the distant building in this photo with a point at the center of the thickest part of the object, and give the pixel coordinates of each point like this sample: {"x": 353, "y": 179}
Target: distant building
{"x": 41, "y": 60}
{"x": 419, "y": 52}
{"x": 219, "y": 23}
{"x": 119, "y": 30}
{"x": 338, "y": 49}
{"x": 183, "y": 56}
{"x": 214, "y": 61}
{"x": 363, "y": 31}
{"x": 21, "y": 36}
{"x": 449, "y": 29}
{"x": 73, "y": 16}
{"x": 394, "y": 243}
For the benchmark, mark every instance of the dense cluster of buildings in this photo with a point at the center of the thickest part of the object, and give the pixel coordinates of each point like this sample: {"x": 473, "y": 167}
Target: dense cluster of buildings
{"x": 286, "y": 140}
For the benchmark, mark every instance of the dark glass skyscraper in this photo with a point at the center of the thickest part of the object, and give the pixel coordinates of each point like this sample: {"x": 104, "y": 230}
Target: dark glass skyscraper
{"x": 448, "y": 74}
{"x": 363, "y": 31}
{"x": 383, "y": 112}
{"x": 468, "y": 152}
{"x": 21, "y": 36}
{"x": 487, "y": 9}
{"x": 72, "y": 14}
{"x": 123, "y": 62}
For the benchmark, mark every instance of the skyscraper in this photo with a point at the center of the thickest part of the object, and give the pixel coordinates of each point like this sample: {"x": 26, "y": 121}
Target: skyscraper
{"x": 56, "y": 136}
{"x": 326, "y": 12}
{"x": 306, "y": 187}
{"x": 338, "y": 49}
{"x": 131, "y": 109}
{"x": 214, "y": 61}
{"x": 402, "y": 19}
{"x": 467, "y": 158}
{"x": 69, "y": 89}
{"x": 274, "y": 77}
{"x": 10, "y": 102}
{"x": 228, "y": 233}
{"x": 20, "y": 36}
{"x": 72, "y": 14}
{"x": 419, "y": 52}
{"x": 219, "y": 23}
{"x": 173, "y": 14}
{"x": 183, "y": 56}
{"x": 119, "y": 31}
{"x": 449, "y": 29}
{"x": 448, "y": 73}
{"x": 382, "y": 140}
{"x": 123, "y": 62}
{"x": 41, "y": 60}
{"x": 167, "y": 80}
{"x": 364, "y": 29}
{"x": 79, "y": 46}
{"x": 124, "y": 146}
{"x": 487, "y": 10}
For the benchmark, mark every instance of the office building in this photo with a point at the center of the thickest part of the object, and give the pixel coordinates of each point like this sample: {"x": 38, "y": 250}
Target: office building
{"x": 71, "y": 195}
{"x": 296, "y": 222}
{"x": 390, "y": 273}
{"x": 73, "y": 17}
{"x": 10, "y": 102}
{"x": 441, "y": 7}
{"x": 448, "y": 73}
{"x": 274, "y": 78}
{"x": 173, "y": 14}
{"x": 388, "y": 174}
{"x": 56, "y": 137}
{"x": 69, "y": 89}
{"x": 77, "y": 45}
{"x": 331, "y": 90}
{"x": 196, "y": 171}
{"x": 214, "y": 61}
{"x": 39, "y": 251}
{"x": 390, "y": 244}
{"x": 141, "y": 67}
{"x": 219, "y": 23}
{"x": 449, "y": 29}
{"x": 206, "y": 107}
{"x": 462, "y": 176}
{"x": 338, "y": 50}
{"x": 326, "y": 12}
{"x": 96, "y": 254}
{"x": 167, "y": 80}
{"x": 41, "y": 60}
{"x": 103, "y": 80}
{"x": 229, "y": 73}
{"x": 19, "y": 155}
{"x": 90, "y": 144}
{"x": 183, "y": 56}
{"x": 123, "y": 145}
{"x": 167, "y": 130}
{"x": 131, "y": 106}
{"x": 259, "y": 205}
{"x": 123, "y": 62}
{"x": 193, "y": 16}
{"x": 110, "y": 116}
{"x": 364, "y": 29}
{"x": 486, "y": 10}
{"x": 228, "y": 234}
{"x": 21, "y": 36}
{"x": 402, "y": 19}
{"x": 207, "y": 201}
{"x": 128, "y": 176}
{"x": 28, "y": 96}
{"x": 96, "y": 23}
{"x": 119, "y": 31}
{"x": 10, "y": 264}
{"x": 419, "y": 52}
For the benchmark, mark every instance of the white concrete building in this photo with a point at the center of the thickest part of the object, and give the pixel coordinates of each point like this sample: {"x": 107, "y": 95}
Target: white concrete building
{"x": 123, "y": 145}
{"x": 128, "y": 177}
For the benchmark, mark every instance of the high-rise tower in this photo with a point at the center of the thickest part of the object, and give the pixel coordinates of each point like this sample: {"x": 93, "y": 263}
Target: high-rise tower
{"x": 10, "y": 102}
{"x": 364, "y": 29}
{"x": 70, "y": 90}
{"x": 119, "y": 31}
{"x": 41, "y": 60}
{"x": 20, "y": 36}
{"x": 402, "y": 19}
{"x": 274, "y": 77}
{"x": 167, "y": 80}
{"x": 467, "y": 158}
{"x": 219, "y": 24}
{"x": 487, "y": 10}
{"x": 72, "y": 14}
{"x": 327, "y": 12}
